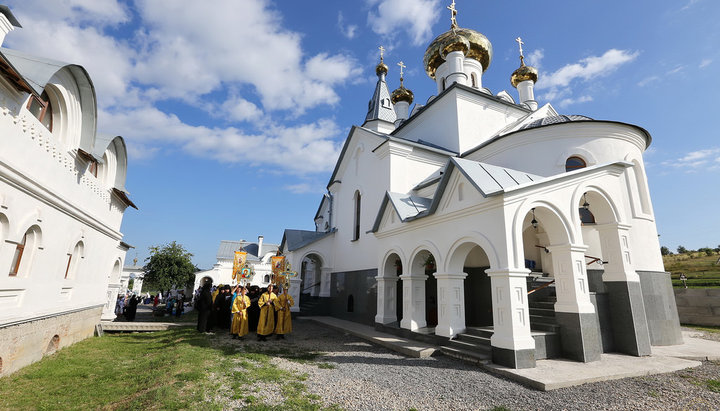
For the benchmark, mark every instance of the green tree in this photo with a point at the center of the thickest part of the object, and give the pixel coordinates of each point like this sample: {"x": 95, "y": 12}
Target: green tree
{"x": 169, "y": 265}
{"x": 665, "y": 251}
{"x": 681, "y": 250}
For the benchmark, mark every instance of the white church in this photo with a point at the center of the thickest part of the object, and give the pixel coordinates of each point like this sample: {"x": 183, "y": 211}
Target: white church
{"x": 492, "y": 225}
{"x": 62, "y": 200}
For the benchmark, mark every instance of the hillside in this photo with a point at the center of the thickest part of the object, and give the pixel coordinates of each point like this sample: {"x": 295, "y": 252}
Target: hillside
{"x": 701, "y": 270}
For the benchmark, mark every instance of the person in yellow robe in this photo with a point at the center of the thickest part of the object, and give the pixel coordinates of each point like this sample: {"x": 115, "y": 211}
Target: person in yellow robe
{"x": 267, "y": 303}
{"x": 284, "y": 320}
{"x": 240, "y": 327}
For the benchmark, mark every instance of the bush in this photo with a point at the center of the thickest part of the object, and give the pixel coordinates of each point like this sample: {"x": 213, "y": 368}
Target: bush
{"x": 665, "y": 251}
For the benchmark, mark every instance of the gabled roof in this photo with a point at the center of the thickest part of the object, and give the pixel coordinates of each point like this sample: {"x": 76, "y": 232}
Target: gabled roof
{"x": 296, "y": 239}
{"x": 9, "y": 15}
{"x": 407, "y": 207}
{"x": 227, "y": 249}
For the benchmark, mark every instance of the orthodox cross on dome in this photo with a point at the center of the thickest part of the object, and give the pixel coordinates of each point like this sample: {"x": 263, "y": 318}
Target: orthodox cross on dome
{"x": 520, "y": 44}
{"x": 382, "y": 52}
{"x": 402, "y": 66}
{"x": 453, "y": 15}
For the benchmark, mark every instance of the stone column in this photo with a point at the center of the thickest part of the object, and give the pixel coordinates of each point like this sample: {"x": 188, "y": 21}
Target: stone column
{"x": 574, "y": 312}
{"x": 108, "y": 313}
{"x": 325, "y": 279}
{"x": 451, "y": 304}
{"x": 512, "y": 343}
{"x": 413, "y": 302}
{"x": 627, "y": 308}
{"x": 295, "y": 293}
{"x": 386, "y": 307}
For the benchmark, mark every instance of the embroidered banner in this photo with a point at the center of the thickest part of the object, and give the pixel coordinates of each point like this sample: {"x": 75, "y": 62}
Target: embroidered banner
{"x": 238, "y": 264}
{"x": 278, "y": 264}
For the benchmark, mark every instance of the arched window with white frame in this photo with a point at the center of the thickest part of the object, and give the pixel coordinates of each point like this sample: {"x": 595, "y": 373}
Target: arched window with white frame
{"x": 24, "y": 253}
{"x": 356, "y": 224}
{"x": 74, "y": 259}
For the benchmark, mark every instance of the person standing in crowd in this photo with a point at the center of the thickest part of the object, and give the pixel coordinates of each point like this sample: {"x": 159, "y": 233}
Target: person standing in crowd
{"x": 204, "y": 306}
{"x": 266, "y": 323}
{"x": 226, "y": 309}
{"x": 180, "y": 308}
{"x": 131, "y": 309}
{"x": 284, "y": 319}
{"x": 241, "y": 302}
{"x": 254, "y": 310}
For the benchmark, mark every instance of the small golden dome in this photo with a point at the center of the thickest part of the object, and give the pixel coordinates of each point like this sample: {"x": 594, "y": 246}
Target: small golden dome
{"x": 381, "y": 68}
{"x": 480, "y": 49}
{"x": 402, "y": 94}
{"x": 523, "y": 73}
{"x": 454, "y": 42}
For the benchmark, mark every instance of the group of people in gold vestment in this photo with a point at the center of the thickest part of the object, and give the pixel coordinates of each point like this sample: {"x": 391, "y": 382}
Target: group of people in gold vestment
{"x": 251, "y": 309}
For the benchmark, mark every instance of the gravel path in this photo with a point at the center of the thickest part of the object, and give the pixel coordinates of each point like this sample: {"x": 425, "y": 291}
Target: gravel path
{"x": 356, "y": 375}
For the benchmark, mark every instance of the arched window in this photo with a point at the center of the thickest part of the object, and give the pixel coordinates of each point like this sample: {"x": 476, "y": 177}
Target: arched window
{"x": 17, "y": 257}
{"x": 473, "y": 79}
{"x": 41, "y": 109}
{"x": 73, "y": 261}
{"x": 266, "y": 279}
{"x": 351, "y": 303}
{"x": 356, "y": 229}
{"x": 443, "y": 83}
{"x": 574, "y": 163}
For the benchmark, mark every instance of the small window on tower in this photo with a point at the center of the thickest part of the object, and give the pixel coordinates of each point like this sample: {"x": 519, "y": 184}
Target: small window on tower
{"x": 574, "y": 163}
{"x": 41, "y": 108}
{"x": 473, "y": 78}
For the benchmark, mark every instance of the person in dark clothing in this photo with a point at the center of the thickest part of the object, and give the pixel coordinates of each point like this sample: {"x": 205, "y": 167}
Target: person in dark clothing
{"x": 226, "y": 308}
{"x": 254, "y": 310}
{"x": 180, "y": 304}
{"x": 204, "y": 306}
{"x": 132, "y": 308}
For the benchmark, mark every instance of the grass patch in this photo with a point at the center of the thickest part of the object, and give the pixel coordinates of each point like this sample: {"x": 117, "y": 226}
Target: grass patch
{"x": 326, "y": 365}
{"x": 175, "y": 369}
{"x": 713, "y": 385}
{"x": 710, "y": 329}
{"x": 701, "y": 269}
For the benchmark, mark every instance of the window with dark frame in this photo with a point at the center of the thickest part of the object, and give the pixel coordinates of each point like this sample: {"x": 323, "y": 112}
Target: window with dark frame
{"x": 574, "y": 163}
{"x": 67, "y": 269}
{"x": 17, "y": 257}
{"x": 41, "y": 108}
{"x": 356, "y": 231}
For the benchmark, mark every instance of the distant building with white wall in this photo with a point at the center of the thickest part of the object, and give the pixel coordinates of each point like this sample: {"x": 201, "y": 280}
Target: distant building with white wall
{"x": 62, "y": 200}
{"x": 258, "y": 258}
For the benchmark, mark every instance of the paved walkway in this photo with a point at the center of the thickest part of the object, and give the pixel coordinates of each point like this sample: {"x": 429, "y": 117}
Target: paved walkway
{"x": 557, "y": 373}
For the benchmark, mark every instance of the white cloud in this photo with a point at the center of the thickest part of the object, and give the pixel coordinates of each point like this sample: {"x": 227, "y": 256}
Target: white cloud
{"x": 347, "y": 30}
{"x": 305, "y": 188}
{"x": 704, "y": 63}
{"x": 689, "y": 4}
{"x": 648, "y": 80}
{"x": 261, "y": 66}
{"x": 414, "y": 17}
{"x": 559, "y": 84}
{"x": 535, "y": 58}
{"x": 676, "y": 70}
{"x": 587, "y": 68}
{"x": 706, "y": 159}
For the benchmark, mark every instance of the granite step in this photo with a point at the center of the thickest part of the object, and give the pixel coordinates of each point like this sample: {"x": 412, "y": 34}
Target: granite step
{"x": 469, "y": 356}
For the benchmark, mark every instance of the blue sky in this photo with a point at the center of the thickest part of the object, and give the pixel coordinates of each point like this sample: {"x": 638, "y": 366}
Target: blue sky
{"x": 234, "y": 111}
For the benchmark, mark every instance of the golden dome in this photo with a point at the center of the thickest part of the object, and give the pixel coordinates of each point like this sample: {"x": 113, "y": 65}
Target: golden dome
{"x": 381, "y": 68}
{"x": 480, "y": 49}
{"x": 523, "y": 73}
{"x": 402, "y": 94}
{"x": 454, "y": 42}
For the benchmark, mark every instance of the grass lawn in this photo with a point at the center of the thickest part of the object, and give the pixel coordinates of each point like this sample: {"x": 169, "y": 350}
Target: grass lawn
{"x": 175, "y": 369}
{"x": 700, "y": 269}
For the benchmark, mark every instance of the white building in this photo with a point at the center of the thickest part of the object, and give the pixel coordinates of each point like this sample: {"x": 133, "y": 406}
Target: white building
{"x": 62, "y": 199}
{"x": 258, "y": 258}
{"x": 439, "y": 221}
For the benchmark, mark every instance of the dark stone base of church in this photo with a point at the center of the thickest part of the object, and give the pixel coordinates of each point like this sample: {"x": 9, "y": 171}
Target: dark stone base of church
{"x": 353, "y": 296}
{"x": 660, "y": 308}
{"x": 580, "y": 336}
{"x": 627, "y": 311}
{"x": 513, "y": 358}
{"x": 601, "y": 301}
{"x": 314, "y": 306}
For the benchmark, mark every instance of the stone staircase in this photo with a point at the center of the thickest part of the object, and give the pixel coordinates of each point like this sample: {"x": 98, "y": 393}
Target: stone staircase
{"x": 313, "y": 305}
{"x": 473, "y": 345}
{"x": 545, "y": 329}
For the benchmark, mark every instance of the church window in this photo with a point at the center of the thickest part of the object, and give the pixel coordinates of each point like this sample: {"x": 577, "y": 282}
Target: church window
{"x": 41, "y": 108}
{"x": 266, "y": 279}
{"x": 473, "y": 79}
{"x": 443, "y": 83}
{"x": 574, "y": 163}
{"x": 74, "y": 260}
{"x": 385, "y": 103}
{"x": 351, "y": 303}
{"x": 17, "y": 257}
{"x": 356, "y": 226}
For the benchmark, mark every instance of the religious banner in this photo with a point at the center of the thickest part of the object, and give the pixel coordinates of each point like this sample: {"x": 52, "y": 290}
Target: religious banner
{"x": 238, "y": 264}
{"x": 278, "y": 264}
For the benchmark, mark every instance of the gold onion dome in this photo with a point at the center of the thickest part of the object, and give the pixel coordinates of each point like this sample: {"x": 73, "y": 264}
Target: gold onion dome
{"x": 402, "y": 94}
{"x": 381, "y": 68}
{"x": 454, "y": 42}
{"x": 480, "y": 49}
{"x": 523, "y": 73}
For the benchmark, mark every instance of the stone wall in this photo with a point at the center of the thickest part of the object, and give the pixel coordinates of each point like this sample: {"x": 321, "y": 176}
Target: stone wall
{"x": 24, "y": 343}
{"x": 698, "y": 306}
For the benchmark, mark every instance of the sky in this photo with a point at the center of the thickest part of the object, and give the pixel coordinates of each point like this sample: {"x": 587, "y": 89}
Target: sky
{"x": 234, "y": 111}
